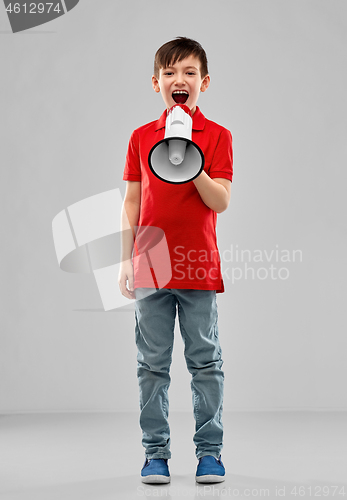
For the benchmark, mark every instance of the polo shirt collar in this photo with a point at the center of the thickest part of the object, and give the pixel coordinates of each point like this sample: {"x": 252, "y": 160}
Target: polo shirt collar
{"x": 198, "y": 120}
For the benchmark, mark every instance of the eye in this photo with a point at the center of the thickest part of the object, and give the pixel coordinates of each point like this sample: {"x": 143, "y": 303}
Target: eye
{"x": 191, "y": 73}
{"x": 168, "y": 73}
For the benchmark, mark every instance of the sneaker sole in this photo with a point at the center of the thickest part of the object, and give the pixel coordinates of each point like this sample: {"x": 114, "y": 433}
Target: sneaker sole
{"x": 155, "y": 478}
{"x": 209, "y": 478}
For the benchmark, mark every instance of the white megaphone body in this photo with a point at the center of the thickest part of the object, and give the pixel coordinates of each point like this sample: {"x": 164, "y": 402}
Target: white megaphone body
{"x": 177, "y": 159}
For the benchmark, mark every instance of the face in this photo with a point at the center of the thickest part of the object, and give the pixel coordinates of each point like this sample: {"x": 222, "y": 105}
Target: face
{"x": 181, "y": 83}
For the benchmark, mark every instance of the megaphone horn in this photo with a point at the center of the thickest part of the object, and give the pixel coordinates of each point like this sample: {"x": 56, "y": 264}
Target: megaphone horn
{"x": 177, "y": 159}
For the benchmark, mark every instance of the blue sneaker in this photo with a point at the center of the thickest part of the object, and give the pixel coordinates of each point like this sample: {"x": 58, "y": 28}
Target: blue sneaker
{"x": 210, "y": 470}
{"x": 155, "y": 470}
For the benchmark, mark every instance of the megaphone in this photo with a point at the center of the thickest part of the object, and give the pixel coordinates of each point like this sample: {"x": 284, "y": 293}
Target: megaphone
{"x": 177, "y": 159}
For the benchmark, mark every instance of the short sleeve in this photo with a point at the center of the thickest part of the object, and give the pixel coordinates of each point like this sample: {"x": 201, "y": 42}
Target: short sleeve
{"x": 132, "y": 169}
{"x": 222, "y": 161}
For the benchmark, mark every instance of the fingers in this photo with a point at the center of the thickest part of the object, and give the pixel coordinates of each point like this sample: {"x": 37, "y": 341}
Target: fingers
{"x": 128, "y": 293}
{"x": 131, "y": 283}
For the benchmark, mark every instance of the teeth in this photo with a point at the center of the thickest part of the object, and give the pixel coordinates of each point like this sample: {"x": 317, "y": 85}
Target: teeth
{"x": 180, "y": 92}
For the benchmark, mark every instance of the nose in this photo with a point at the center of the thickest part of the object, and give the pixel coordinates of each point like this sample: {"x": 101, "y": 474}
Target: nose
{"x": 180, "y": 79}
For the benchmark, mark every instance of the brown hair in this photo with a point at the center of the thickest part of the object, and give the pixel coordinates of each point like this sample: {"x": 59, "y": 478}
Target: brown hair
{"x": 178, "y": 49}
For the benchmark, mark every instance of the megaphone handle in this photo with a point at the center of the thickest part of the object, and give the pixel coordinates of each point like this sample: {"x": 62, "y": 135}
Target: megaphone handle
{"x": 151, "y": 269}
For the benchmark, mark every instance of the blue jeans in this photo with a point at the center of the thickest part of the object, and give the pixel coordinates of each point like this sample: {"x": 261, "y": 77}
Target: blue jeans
{"x": 155, "y": 315}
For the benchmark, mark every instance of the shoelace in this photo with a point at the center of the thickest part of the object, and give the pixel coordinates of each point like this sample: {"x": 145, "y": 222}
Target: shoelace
{"x": 148, "y": 461}
{"x": 219, "y": 460}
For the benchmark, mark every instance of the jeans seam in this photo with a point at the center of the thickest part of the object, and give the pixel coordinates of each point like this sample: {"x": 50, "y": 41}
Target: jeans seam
{"x": 165, "y": 406}
{"x": 194, "y": 392}
{"x": 196, "y": 406}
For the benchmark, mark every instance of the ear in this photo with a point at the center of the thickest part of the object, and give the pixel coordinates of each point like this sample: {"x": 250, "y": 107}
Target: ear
{"x": 155, "y": 84}
{"x": 205, "y": 83}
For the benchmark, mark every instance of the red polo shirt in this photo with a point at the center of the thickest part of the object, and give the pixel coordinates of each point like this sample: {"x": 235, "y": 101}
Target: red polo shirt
{"x": 182, "y": 252}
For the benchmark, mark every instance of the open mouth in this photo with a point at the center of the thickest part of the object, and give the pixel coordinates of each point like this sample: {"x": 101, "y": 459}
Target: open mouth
{"x": 180, "y": 96}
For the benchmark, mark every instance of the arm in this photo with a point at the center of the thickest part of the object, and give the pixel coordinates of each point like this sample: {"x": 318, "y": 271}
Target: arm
{"x": 129, "y": 218}
{"x": 215, "y": 193}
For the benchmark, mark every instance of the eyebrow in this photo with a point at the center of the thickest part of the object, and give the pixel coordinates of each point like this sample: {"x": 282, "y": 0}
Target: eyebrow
{"x": 187, "y": 67}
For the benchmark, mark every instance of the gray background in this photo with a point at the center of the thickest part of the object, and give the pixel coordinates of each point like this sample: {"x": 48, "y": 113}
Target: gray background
{"x": 72, "y": 91}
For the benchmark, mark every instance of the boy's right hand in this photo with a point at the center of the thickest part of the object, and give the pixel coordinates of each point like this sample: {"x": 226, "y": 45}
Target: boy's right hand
{"x": 126, "y": 272}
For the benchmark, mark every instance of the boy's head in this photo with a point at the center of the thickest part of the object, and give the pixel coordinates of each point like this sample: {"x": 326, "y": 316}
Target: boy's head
{"x": 180, "y": 72}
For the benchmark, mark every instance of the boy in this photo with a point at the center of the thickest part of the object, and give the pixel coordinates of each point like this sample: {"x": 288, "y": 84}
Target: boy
{"x": 187, "y": 215}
